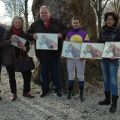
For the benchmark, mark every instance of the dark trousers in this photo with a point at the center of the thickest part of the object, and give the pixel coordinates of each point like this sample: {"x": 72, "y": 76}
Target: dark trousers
{"x": 50, "y": 67}
{"x": 0, "y": 67}
{"x": 26, "y": 77}
{"x": 0, "y": 75}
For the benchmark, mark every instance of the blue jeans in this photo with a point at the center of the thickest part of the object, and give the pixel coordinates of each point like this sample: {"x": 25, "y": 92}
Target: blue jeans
{"x": 110, "y": 71}
{"x": 50, "y": 67}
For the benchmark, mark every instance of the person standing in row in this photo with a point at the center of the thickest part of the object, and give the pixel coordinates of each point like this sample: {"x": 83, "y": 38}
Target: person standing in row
{"x": 49, "y": 60}
{"x": 2, "y": 30}
{"x": 10, "y": 53}
{"x": 77, "y": 35}
{"x": 110, "y": 33}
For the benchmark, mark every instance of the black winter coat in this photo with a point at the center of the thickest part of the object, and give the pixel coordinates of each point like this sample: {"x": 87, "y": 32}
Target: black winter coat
{"x": 110, "y": 34}
{"x": 54, "y": 27}
{"x": 2, "y": 30}
{"x": 9, "y": 52}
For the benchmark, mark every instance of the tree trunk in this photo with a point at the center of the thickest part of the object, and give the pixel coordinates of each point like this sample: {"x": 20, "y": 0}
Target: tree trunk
{"x": 26, "y": 14}
{"x": 99, "y": 23}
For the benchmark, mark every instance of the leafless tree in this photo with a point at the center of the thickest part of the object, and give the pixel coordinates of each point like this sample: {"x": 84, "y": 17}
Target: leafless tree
{"x": 115, "y": 4}
{"x": 17, "y": 8}
{"x": 99, "y": 6}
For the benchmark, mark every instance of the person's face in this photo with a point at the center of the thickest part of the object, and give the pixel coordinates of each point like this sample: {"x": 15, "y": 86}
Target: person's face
{"x": 44, "y": 14}
{"x": 110, "y": 21}
{"x": 18, "y": 23}
{"x": 75, "y": 24}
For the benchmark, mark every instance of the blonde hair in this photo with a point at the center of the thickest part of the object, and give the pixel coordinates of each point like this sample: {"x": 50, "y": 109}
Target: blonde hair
{"x": 20, "y": 18}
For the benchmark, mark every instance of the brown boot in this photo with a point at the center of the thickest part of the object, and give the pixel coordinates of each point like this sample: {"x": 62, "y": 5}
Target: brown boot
{"x": 14, "y": 97}
{"x": 28, "y": 95}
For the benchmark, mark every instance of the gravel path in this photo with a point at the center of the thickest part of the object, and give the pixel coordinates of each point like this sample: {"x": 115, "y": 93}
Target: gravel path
{"x": 52, "y": 107}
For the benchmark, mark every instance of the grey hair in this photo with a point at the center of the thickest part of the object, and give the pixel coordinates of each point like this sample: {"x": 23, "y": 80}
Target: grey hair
{"x": 45, "y": 6}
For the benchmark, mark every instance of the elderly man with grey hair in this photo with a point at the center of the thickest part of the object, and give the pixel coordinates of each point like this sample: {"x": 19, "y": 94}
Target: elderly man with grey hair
{"x": 49, "y": 60}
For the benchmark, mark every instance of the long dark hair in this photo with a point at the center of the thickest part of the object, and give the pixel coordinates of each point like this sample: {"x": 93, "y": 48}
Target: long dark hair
{"x": 114, "y": 16}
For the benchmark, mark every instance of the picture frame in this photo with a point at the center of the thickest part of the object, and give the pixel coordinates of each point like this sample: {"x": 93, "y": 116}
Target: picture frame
{"x": 111, "y": 49}
{"x": 71, "y": 50}
{"x": 47, "y": 41}
{"x": 18, "y": 42}
{"x": 92, "y": 50}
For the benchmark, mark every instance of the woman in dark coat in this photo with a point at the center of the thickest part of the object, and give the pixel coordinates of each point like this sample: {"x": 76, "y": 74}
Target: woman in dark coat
{"x": 48, "y": 58}
{"x": 110, "y": 33}
{"x": 10, "y": 53}
{"x": 2, "y": 30}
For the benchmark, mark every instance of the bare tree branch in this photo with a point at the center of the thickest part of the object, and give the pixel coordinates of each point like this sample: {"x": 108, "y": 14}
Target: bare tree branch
{"x": 105, "y": 5}
{"x": 17, "y": 7}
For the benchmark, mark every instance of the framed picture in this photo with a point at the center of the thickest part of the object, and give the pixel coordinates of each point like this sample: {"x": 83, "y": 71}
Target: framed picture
{"x": 47, "y": 41}
{"x": 18, "y": 41}
{"x": 92, "y": 50}
{"x": 111, "y": 49}
{"x": 71, "y": 50}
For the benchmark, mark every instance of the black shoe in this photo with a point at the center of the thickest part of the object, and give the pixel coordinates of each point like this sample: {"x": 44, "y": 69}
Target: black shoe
{"x": 70, "y": 88}
{"x": 81, "y": 97}
{"x": 104, "y": 102}
{"x": 59, "y": 94}
{"x": 43, "y": 93}
{"x": 69, "y": 95}
{"x": 81, "y": 88}
{"x": 0, "y": 98}
{"x": 107, "y": 99}
{"x": 113, "y": 108}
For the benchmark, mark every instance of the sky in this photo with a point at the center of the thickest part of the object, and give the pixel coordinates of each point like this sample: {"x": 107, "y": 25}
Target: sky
{"x": 4, "y": 19}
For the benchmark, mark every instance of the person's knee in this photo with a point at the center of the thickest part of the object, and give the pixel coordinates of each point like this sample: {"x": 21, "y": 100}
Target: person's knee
{"x": 71, "y": 77}
{"x": 81, "y": 77}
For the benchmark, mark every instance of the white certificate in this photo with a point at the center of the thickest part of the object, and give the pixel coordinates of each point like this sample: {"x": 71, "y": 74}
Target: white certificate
{"x": 18, "y": 42}
{"x": 111, "y": 49}
{"x": 71, "y": 50}
{"x": 47, "y": 41}
{"x": 92, "y": 50}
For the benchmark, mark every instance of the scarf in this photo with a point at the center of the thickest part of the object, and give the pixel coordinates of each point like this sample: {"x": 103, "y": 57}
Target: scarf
{"x": 15, "y": 31}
